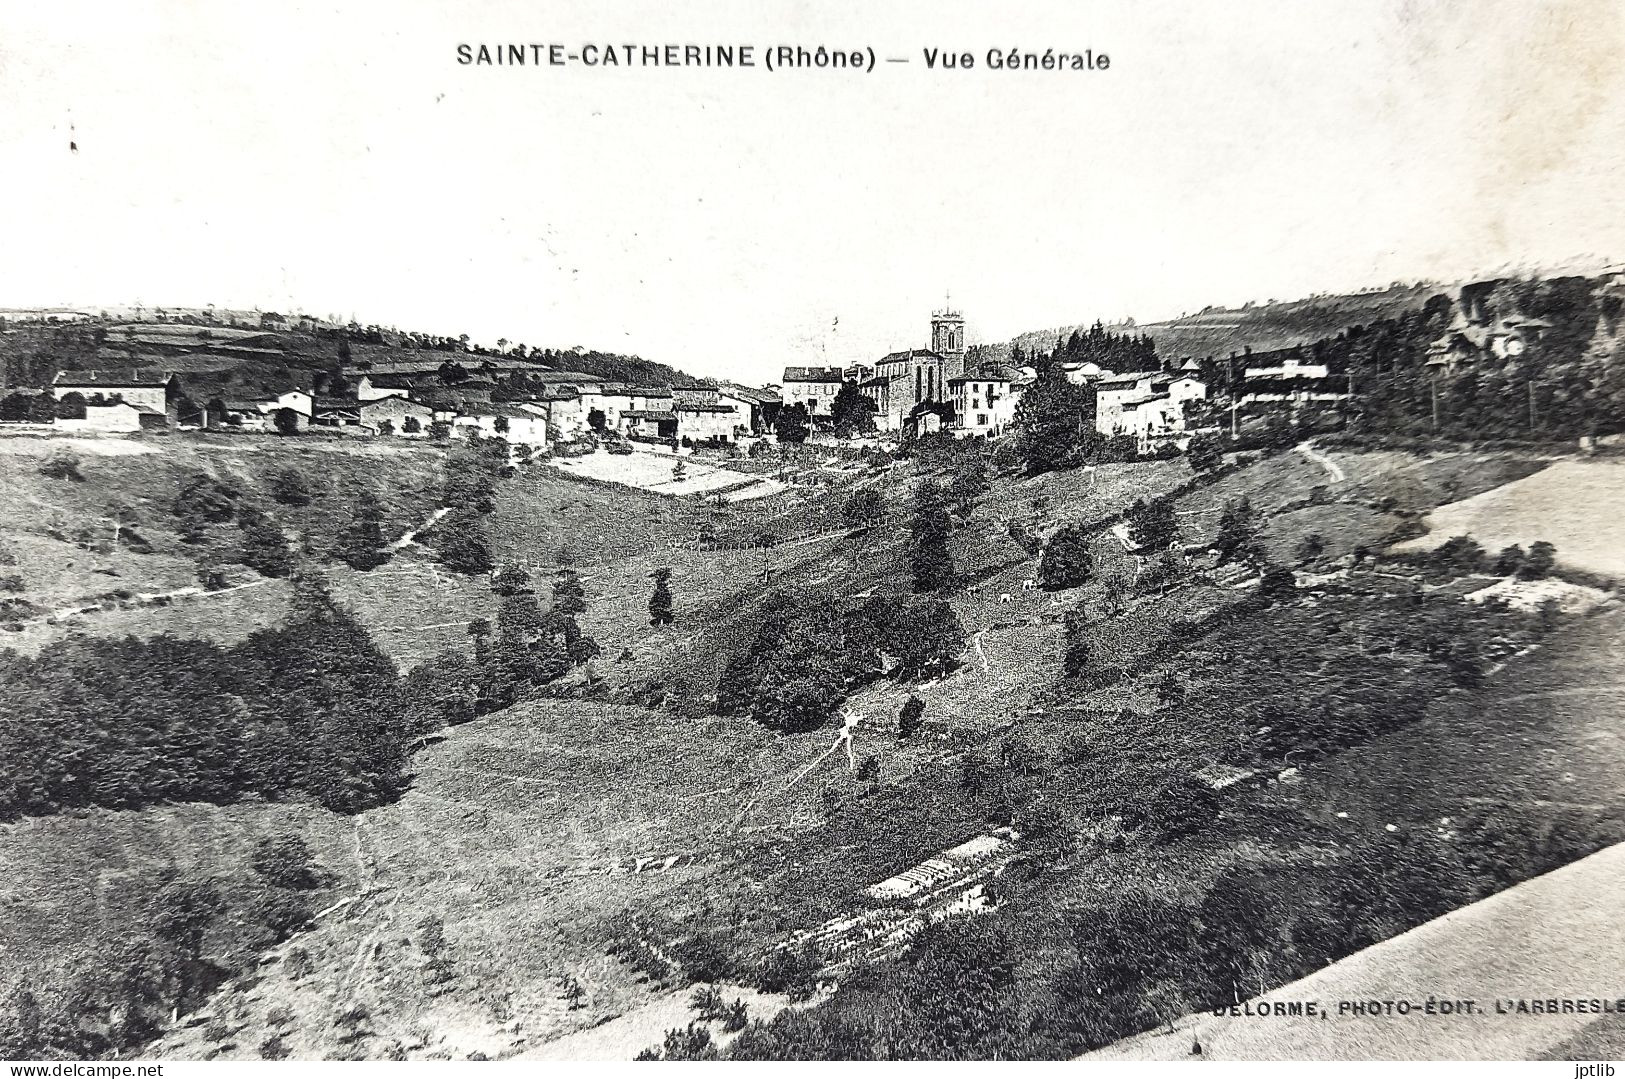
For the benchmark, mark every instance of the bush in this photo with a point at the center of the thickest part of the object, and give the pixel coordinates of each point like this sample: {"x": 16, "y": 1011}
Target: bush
{"x": 284, "y": 861}
{"x": 791, "y": 971}
{"x": 1067, "y": 560}
{"x": 62, "y": 465}
{"x": 911, "y": 717}
{"x": 285, "y": 912}
{"x": 1541, "y": 560}
{"x": 289, "y": 487}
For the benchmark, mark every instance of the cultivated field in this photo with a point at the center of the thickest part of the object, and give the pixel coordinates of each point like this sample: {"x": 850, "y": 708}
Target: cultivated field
{"x": 1575, "y": 504}
{"x": 654, "y": 472}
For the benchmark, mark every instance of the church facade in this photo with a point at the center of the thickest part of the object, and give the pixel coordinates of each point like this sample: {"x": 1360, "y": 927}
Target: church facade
{"x": 902, "y": 381}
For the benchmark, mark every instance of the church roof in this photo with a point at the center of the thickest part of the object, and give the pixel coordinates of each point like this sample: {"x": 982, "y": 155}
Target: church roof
{"x": 910, "y": 354}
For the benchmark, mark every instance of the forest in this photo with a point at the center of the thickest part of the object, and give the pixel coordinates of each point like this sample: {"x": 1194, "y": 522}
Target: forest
{"x": 311, "y": 707}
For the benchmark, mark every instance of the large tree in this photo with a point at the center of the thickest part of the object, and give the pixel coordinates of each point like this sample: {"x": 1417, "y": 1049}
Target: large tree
{"x": 928, "y": 553}
{"x": 1054, "y": 422}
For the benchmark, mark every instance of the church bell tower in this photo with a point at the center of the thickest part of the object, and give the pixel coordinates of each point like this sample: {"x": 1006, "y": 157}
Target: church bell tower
{"x": 948, "y": 341}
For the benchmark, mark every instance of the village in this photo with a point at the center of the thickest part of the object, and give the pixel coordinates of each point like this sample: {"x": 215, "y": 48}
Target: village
{"x": 198, "y": 373}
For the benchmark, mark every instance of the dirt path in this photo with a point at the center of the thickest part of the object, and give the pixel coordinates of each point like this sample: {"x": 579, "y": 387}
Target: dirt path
{"x": 410, "y": 535}
{"x": 1333, "y": 469}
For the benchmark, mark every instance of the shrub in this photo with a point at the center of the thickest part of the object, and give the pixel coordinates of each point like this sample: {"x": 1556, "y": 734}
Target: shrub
{"x": 284, "y": 861}
{"x": 910, "y": 717}
{"x": 791, "y": 971}
{"x": 1067, "y": 560}
{"x": 62, "y": 465}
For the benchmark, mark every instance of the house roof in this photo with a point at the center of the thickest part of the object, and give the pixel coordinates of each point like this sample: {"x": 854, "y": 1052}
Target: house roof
{"x": 393, "y": 397}
{"x": 1137, "y": 402}
{"x": 749, "y": 393}
{"x": 130, "y": 377}
{"x": 1125, "y": 380}
{"x": 813, "y": 374}
{"x": 391, "y": 381}
{"x": 647, "y": 414}
{"x": 701, "y": 407}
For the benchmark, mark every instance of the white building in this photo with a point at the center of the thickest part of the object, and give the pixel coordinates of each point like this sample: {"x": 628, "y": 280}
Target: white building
{"x": 1150, "y": 406}
{"x": 120, "y": 417}
{"x": 814, "y": 387}
{"x": 521, "y": 425}
{"x": 134, "y": 386}
{"x": 985, "y": 401}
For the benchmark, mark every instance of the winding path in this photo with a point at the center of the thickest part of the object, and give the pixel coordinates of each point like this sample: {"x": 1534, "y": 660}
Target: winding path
{"x": 1333, "y": 469}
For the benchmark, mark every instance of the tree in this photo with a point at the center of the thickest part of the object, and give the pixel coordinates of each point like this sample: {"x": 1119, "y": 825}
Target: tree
{"x": 1205, "y": 451}
{"x": 928, "y": 554}
{"x": 284, "y": 861}
{"x": 1067, "y": 560}
{"x": 265, "y": 548}
{"x": 1510, "y": 561}
{"x": 568, "y": 595}
{"x": 1310, "y": 547}
{"x": 970, "y": 480}
{"x": 1238, "y": 531}
{"x": 863, "y": 509}
{"x": 910, "y": 717}
{"x": 597, "y": 420}
{"x": 1075, "y": 658}
{"x": 1151, "y": 525}
{"x": 1541, "y": 560}
{"x": 1054, "y": 422}
{"x": 459, "y": 540}
{"x": 289, "y": 487}
{"x": 179, "y": 915}
{"x": 361, "y": 545}
{"x": 442, "y": 692}
{"x": 286, "y": 421}
{"x": 660, "y": 610}
{"x": 794, "y": 424}
{"x": 1458, "y": 556}
{"x": 852, "y": 412}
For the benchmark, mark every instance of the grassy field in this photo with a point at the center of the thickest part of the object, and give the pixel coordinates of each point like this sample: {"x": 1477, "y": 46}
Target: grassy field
{"x": 1541, "y": 735}
{"x": 523, "y": 829}
{"x": 1575, "y": 504}
{"x": 521, "y": 833}
{"x": 60, "y": 531}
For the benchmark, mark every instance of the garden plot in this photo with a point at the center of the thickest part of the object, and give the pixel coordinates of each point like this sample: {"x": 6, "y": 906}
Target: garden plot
{"x": 654, "y": 472}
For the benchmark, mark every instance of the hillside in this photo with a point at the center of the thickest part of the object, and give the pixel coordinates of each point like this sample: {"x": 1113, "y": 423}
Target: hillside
{"x": 591, "y": 852}
{"x": 245, "y": 358}
{"x": 1261, "y": 327}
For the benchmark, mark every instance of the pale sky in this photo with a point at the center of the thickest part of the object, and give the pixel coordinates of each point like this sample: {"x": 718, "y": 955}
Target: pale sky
{"x": 335, "y": 158}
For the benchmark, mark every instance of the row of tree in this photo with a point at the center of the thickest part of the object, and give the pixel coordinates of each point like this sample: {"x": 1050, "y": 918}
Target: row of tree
{"x": 311, "y": 706}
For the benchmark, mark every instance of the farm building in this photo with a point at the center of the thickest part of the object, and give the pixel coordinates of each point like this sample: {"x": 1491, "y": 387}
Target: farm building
{"x": 403, "y": 415}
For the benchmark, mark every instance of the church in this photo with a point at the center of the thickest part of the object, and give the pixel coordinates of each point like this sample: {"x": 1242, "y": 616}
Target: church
{"x": 902, "y": 381}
